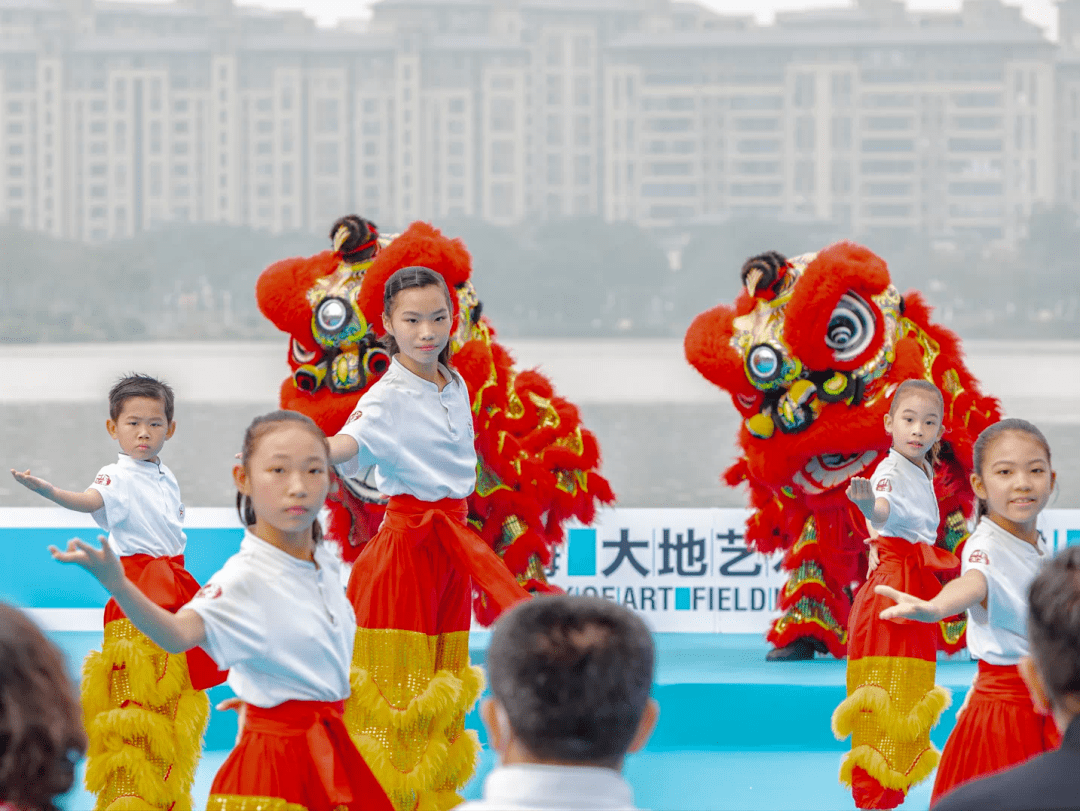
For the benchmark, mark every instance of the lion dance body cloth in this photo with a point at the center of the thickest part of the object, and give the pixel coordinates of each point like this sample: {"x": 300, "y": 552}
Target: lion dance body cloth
{"x": 810, "y": 353}
{"x": 145, "y": 710}
{"x": 537, "y": 467}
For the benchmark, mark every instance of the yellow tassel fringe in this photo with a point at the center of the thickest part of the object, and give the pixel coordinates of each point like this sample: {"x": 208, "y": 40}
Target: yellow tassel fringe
{"x": 232, "y": 802}
{"x": 145, "y": 724}
{"x": 406, "y": 714}
{"x": 878, "y": 767}
{"x": 900, "y": 725}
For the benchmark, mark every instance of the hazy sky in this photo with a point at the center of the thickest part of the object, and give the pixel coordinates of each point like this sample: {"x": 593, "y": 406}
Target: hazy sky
{"x": 1040, "y": 12}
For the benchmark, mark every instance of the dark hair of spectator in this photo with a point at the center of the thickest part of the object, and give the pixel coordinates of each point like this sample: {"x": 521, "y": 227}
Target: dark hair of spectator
{"x": 1054, "y": 624}
{"x": 259, "y": 428}
{"x": 137, "y": 385}
{"x": 41, "y": 734}
{"x": 573, "y": 674}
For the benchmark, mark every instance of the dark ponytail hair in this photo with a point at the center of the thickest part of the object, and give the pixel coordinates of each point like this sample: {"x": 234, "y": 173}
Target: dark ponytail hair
{"x": 404, "y": 279}
{"x": 986, "y": 439}
{"x": 260, "y": 427}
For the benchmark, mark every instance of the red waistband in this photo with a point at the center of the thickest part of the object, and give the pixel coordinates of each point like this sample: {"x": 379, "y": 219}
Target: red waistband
{"x": 291, "y": 716}
{"x": 165, "y": 581}
{"x": 411, "y": 505}
{"x": 1001, "y": 682}
{"x": 446, "y": 520}
{"x": 913, "y": 566}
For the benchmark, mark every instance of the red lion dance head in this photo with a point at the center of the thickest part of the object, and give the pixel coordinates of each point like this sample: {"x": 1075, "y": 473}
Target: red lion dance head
{"x": 811, "y": 353}
{"x": 537, "y": 466}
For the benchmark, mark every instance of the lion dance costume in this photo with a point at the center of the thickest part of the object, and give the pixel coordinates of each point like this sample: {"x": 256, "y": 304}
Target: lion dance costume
{"x": 145, "y": 710}
{"x": 536, "y": 469}
{"x": 810, "y": 354}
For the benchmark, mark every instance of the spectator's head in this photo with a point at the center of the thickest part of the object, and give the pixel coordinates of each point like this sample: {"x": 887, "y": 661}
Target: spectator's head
{"x": 1053, "y": 669}
{"x": 41, "y": 734}
{"x": 571, "y": 679}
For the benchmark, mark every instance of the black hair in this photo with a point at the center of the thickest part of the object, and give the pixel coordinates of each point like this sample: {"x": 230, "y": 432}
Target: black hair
{"x": 986, "y": 439}
{"x": 41, "y": 733}
{"x": 1054, "y": 624}
{"x": 404, "y": 279}
{"x": 139, "y": 385}
{"x": 916, "y": 385}
{"x": 260, "y": 427}
{"x": 358, "y": 241}
{"x": 573, "y": 674}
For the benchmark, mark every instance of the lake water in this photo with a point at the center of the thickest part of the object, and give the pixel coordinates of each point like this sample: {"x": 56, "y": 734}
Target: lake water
{"x": 665, "y": 434}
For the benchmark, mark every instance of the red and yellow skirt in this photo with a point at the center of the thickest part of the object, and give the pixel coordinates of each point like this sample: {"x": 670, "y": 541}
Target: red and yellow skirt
{"x": 144, "y": 710}
{"x": 997, "y": 729}
{"x": 412, "y": 683}
{"x": 297, "y": 756}
{"x": 892, "y": 700}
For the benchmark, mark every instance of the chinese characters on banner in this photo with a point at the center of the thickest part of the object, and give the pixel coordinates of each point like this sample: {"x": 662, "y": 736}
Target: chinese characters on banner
{"x": 689, "y": 570}
{"x": 683, "y": 570}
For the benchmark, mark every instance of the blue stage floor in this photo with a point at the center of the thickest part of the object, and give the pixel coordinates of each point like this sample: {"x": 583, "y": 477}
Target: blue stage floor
{"x": 735, "y": 733}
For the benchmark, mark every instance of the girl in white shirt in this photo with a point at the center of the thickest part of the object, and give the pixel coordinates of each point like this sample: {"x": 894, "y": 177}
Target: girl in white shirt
{"x": 999, "y": 726}
{"x": 892, "y": 699}
{"x": 411, "y": 587}
{"x": 275, "y": 616}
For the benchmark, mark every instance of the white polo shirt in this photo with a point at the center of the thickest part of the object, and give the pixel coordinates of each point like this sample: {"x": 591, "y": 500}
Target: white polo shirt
{"x": 539, "y": 787}
{"x": 419, "y": 439}
{"x": 282, "y": 626}
{"x": 142, "y": 513}
{"x": 913, "y": 507}
{"x": 997, "y": 634}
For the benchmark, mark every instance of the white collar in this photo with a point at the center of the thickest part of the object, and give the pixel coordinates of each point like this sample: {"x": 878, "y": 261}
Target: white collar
{"x": 925, "y": 468}
{"x": 417, "y": 383}
{"x": 143, "y": 465}
{"x": 543, "y": 786}
{"x": 1003, "y": 534}
{"x": 279, "y": 558}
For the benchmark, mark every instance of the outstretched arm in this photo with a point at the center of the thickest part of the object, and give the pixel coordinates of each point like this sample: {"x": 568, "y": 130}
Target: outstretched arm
{"x": 175, "y": 633}
{"x": 957, "y": 595}
{"x": 342, "y": 448}
{"x": 876, "y": 510}
{"x": 85, "y": 502}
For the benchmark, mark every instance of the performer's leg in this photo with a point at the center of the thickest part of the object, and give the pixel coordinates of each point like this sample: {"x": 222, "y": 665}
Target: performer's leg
{"x": 145, "y": 723}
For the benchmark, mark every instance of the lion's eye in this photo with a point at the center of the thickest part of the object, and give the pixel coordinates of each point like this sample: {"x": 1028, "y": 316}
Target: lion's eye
{"x": 851, "y": 328}
{"x": 764, "y": 363}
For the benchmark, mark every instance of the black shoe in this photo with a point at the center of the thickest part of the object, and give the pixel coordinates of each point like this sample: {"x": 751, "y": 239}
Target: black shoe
{"x": 798, "y": 651}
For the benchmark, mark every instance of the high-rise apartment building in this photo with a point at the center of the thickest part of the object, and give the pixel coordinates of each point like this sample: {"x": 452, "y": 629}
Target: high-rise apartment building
{"x": 115, "y": 117}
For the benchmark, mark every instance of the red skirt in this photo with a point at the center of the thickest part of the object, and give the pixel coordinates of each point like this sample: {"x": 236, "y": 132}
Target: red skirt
{"x": 170, "y": 585}
{"x": 999, "y": 728}
{"x": 299, "y": 752}
{"x": 892, "y": 699}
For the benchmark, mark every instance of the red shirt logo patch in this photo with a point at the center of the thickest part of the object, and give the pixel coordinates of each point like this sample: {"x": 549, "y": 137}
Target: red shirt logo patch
{"x": 103, "y": 478}
{"x": 978, "y": 556}
{"x": 210, "y": 591}
{"x": 354, "y": 417}
{"x": 884, "y": 486}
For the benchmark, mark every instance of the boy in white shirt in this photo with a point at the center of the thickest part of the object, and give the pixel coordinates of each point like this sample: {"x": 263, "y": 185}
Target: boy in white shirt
{"x": 137, "y": 501}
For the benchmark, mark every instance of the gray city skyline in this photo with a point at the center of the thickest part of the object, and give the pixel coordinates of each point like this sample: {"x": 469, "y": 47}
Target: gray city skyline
{"x": 118, "y": 117}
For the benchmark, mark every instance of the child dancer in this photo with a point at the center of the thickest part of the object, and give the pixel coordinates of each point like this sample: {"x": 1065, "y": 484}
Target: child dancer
{"x": 41, "y": 736}
{"x": 145, "y": 711}
{"x": 998, "y": 727}
{"x": 276, "y": 616}
{"x": 411, "y": 586}
{"x": 892, "y": 700}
